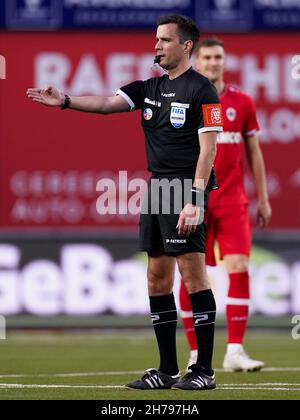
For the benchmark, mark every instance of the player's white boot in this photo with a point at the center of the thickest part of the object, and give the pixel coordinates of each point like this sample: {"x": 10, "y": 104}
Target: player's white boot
{"x": 192, "y": 360}
{"x": 237, "y": 360}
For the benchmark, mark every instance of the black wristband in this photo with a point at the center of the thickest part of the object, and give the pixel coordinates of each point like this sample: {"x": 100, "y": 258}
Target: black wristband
{"x": 195, "y": 197}
{"x": 66, "y": 103}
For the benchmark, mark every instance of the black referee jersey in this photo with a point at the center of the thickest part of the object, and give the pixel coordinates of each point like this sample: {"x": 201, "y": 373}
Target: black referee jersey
{"x": 174, "y": 112}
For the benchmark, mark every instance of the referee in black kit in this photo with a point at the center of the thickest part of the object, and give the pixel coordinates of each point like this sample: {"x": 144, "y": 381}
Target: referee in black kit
{"x": 181, "y": 116}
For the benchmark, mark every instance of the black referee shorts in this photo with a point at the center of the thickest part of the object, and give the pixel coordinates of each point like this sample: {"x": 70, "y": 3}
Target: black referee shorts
{"x": 158, "y": 233}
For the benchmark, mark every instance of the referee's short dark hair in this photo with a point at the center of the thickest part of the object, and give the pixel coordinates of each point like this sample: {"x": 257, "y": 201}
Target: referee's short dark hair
{"x": 187, "y": 28}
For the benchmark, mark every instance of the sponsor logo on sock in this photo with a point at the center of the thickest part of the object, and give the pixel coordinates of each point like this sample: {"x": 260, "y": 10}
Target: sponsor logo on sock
{"x": 155, "y": 318}
{"x": 200, "y": 318}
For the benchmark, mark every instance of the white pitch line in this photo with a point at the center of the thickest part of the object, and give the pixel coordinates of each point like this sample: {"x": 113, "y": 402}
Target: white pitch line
{"x": 281, "y": 369}
{"x": 121, "y": 373}
{"x": 62, "y": 386}
{"x": 262, "y": 384}
{"x": 297, "y": 369}
{"x": 44, "y": 386}
{"x": 255, "y": 389}
{"x": 72, "y": 375}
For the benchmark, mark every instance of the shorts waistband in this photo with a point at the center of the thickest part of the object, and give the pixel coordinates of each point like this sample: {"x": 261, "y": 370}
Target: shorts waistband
{"x": 172, "y": 176}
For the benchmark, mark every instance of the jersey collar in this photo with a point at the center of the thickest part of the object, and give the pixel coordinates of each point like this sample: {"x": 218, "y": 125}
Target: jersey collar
{"x": 225, "y": 90}
{"x": 181, "y": 75}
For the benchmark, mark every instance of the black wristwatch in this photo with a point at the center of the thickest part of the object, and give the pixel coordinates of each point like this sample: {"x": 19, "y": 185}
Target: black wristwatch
{"x": 66, "y": 103}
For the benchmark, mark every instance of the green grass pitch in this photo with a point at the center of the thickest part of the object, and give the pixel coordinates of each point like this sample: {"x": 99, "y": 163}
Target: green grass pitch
{"x": 96, "y": 365}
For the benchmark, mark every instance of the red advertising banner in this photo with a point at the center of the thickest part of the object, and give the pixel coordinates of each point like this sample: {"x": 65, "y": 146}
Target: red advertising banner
{"x": 51, "y": 160}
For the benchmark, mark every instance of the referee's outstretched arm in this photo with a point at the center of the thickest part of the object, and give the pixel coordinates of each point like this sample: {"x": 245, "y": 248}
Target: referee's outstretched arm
{"x": 51, "y": 96}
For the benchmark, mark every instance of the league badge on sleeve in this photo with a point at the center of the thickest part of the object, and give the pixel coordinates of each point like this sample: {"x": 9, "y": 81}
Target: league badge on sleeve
{"x": 212, "y": 115}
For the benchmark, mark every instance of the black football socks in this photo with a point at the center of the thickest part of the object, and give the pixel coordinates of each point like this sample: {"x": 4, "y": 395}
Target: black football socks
{"x": 164, "y": 319}
{"x": 204, "y": 313}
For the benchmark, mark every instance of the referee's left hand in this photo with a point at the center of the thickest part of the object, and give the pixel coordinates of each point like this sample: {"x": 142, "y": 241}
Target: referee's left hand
{"x": 188, "y": 220}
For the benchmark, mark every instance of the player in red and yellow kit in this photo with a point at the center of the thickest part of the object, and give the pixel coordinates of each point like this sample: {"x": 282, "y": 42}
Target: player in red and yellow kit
{"x": 227, "y": 218}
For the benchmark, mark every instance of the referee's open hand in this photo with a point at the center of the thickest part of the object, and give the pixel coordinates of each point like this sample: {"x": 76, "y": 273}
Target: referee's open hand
{"x": 188, "y": 220}
{"x": 50, "y": 96}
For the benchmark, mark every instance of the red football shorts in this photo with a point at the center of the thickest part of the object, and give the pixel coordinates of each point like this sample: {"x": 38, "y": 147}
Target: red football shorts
{"x": 231, "y": 228}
